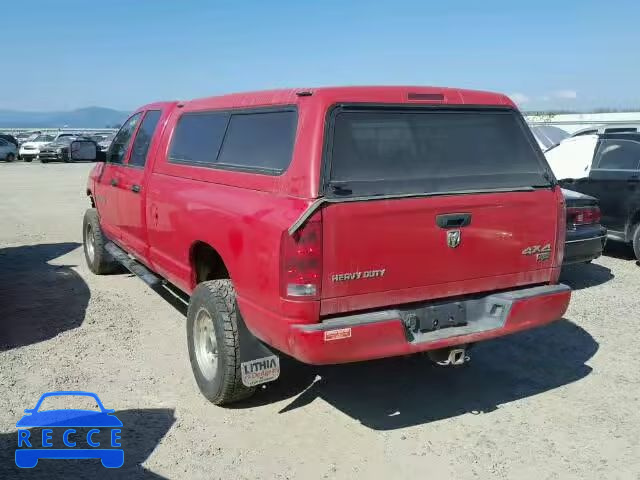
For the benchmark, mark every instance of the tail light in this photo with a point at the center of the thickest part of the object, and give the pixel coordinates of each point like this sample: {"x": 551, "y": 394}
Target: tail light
{"x": 582, "y": 216}
{"x": 301, "y": 261}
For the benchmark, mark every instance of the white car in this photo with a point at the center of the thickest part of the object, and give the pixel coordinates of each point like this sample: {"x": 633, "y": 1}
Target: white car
{"x": 571, "y": 158}
{"x": 7, "y": 150}
{"x": 30, "y": 150}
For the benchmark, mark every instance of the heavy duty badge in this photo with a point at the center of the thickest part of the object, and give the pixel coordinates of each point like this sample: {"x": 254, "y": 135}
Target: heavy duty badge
{"x": 453, "y": 238}
{"x": 343, "y": 277}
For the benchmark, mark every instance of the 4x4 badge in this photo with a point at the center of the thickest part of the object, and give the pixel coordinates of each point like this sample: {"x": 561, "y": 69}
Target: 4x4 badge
{"x": 453, "y": 238}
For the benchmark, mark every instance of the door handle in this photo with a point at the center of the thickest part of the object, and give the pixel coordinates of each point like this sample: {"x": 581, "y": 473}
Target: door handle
{"x": 135, "y": 188}
{"x": 114, "y": 182}
{"x": 453, "y": 220}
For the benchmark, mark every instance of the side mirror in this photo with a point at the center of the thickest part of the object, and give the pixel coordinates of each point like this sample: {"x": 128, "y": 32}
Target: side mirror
{"x": 83, "y": 150}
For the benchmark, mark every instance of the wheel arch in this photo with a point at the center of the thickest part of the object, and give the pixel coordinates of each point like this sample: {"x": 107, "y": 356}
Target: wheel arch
{"x": 206, "y": 263}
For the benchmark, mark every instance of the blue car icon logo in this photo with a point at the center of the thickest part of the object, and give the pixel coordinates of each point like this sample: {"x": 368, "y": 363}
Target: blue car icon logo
{"x": 98, "y": 431}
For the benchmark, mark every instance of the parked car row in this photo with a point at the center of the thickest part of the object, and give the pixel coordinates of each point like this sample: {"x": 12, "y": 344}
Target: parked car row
{"x": 28, "y": 145}
{"x": 46, "y": 151}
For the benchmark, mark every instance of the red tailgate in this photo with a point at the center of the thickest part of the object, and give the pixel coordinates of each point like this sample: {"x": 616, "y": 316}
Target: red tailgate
{"x": 396, "y": 245}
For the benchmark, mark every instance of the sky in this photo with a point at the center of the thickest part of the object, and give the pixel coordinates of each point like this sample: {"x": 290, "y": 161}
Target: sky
{"x": 563, "y": 54}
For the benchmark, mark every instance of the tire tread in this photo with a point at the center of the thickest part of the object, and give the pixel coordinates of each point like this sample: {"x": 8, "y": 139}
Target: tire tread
{"x": 103, "y": 263}
{"x": 222, "y": 295}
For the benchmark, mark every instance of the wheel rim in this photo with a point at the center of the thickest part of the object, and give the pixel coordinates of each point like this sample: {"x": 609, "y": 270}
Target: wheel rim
{"x": 90, "y": 243}
{"x": 205, "y": 344}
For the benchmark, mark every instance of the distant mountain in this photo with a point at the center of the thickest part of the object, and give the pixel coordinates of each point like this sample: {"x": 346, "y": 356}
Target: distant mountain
{"x": 90, "y": 117}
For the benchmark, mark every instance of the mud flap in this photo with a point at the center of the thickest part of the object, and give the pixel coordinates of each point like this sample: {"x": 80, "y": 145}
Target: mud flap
{"x": 258, "y": 363}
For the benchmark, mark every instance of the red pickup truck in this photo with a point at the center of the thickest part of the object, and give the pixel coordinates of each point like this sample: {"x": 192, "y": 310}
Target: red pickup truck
{"x": 332, "y": 225}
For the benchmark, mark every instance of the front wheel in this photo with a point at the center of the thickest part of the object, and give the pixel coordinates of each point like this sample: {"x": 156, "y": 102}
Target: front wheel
{"x": 98, "y": 259}
{"x": 213, "y": 342}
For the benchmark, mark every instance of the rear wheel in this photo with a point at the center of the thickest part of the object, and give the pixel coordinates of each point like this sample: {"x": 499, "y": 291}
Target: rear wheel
{"x": 213, "y": 342}
{"x": 10, "y": 157}
{"x": 98, "y": 259}
{"x": 636, "y": 241}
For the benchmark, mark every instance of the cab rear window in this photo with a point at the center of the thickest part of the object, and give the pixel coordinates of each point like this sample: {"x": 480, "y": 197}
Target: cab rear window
{"x": 429, "y": 150}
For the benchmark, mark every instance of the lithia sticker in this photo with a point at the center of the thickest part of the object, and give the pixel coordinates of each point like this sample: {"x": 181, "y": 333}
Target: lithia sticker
{"x": 261, "y": 370}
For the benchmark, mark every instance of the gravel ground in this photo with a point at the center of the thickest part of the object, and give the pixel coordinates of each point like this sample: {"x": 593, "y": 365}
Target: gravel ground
{"x": 557, "y": 402}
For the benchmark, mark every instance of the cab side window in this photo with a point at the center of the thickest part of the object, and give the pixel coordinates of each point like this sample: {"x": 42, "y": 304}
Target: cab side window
{"x": 121, "y": 142}
{"x": 256, "y": 140}
{"x": 618, "y": 154}
{"x": 143, "y": 138}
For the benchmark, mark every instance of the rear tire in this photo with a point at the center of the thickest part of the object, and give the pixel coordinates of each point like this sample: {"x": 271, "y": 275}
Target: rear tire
{"x": 636, "y": 241}
{"x": 98, "y": 259}
{"x": 10, "y": 157}
{"x": 213, "y": 342}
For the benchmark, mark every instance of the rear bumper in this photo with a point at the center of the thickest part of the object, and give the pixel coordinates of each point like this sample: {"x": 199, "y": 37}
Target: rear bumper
{"x": 390, "y": 333}
{"x": 585, "y": 246}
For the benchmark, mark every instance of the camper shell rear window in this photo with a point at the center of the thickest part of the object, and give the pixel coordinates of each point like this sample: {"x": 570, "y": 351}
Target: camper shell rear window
{"x": 394, "y": 150}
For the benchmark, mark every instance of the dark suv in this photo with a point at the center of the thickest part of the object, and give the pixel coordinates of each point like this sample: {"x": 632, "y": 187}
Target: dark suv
{"x": 614, "y": 178}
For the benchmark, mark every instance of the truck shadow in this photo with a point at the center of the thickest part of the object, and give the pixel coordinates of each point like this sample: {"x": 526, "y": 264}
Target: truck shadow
{"x": 401, "y": 392}
{"x": 38, "y": 300}
{"x": 142, "y": 432}
{"x": 585, "y": 275}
